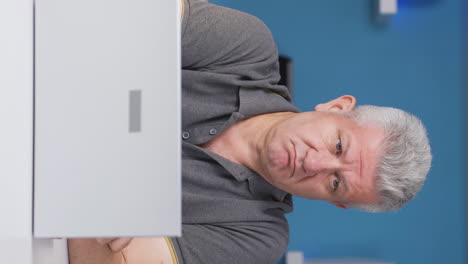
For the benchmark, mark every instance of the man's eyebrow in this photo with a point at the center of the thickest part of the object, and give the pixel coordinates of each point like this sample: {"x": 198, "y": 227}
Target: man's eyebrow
{"x": 348, "y": 145}
{"x": 343, "y": 179}
{"x": 360, "y": 164}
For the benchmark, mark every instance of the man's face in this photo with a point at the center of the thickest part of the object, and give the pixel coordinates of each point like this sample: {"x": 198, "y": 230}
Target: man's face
{"x": 324, "y": 155}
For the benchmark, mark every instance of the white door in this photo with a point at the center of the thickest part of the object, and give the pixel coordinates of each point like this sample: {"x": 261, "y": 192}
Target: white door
{"x": 107, "y": 118}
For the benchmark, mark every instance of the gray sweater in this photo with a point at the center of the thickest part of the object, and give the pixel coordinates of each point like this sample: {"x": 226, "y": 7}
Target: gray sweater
{"x": 230, "y": 214}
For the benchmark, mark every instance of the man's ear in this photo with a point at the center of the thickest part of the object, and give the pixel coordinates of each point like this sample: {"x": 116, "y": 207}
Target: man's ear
{"x": 345, "y": 103}
{"x": 341, "y": 205}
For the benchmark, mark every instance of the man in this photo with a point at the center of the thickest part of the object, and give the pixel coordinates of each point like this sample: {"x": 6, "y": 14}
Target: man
{"x": 247, "y": 149}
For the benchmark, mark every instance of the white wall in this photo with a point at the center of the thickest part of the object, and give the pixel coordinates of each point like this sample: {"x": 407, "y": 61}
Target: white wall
{"x": 16, "y": 135}
{"x": 16, "y": 96}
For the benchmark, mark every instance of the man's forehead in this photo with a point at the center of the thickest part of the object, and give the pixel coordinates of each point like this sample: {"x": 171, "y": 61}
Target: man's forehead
{"x": 368, "y": 144}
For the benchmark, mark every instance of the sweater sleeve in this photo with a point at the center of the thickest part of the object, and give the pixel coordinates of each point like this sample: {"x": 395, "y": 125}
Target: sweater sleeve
{"x": 243, "y": 243}
{"x": 223, "y": 41}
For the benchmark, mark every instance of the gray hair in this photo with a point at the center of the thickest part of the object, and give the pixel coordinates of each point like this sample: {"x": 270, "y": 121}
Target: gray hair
{"x": 406, "y": 157}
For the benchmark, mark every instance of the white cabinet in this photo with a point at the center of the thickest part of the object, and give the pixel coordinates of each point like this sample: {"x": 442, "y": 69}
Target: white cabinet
{"x": 107, "y": 118}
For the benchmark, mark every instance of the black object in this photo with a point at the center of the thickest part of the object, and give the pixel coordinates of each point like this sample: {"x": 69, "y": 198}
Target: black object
{"x": 286, "y": 72}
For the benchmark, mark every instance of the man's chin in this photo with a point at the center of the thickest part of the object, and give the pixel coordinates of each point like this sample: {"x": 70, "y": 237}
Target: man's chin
{"x": 280, "y": 171}
{"x": 279, "y": 179}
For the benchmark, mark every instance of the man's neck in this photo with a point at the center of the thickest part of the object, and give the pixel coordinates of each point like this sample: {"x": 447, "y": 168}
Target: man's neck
{"x": 244, "y": 141}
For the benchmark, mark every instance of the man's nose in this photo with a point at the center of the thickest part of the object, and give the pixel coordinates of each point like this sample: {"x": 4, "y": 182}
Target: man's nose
{"x": 316, "y": 162}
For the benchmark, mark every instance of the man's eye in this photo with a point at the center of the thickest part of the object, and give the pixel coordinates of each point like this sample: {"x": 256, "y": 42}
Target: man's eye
{"x": 338, "y": 146}
{"x": 336, "y": 183}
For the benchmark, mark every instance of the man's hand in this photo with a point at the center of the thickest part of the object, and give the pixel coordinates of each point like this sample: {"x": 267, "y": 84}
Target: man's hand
{"x": 116, "y": 243}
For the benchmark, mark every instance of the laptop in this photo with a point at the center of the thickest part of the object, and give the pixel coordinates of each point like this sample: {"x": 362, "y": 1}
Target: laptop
{"x": 107, "y": 118}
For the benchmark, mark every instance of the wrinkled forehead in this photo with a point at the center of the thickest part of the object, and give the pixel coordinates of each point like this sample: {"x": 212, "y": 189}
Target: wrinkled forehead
{"x": 371, "y": 141}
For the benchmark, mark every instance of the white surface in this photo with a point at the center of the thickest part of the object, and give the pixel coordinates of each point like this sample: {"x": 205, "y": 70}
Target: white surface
{"x": 388, "y": 7}
{"x": 92, "y": 177}
{"x": 295, "y": 257}
{"x": 50, "y": 251}
{"x": 16, "y": 131}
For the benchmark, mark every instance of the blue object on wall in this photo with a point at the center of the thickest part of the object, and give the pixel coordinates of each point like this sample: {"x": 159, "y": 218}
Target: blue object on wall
{"x": 413, "y": 62}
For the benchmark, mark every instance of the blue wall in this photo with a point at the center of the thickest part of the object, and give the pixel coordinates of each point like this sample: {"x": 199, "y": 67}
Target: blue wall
{"x": 413, "y": 62}
{"x": 465, "y": 75}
